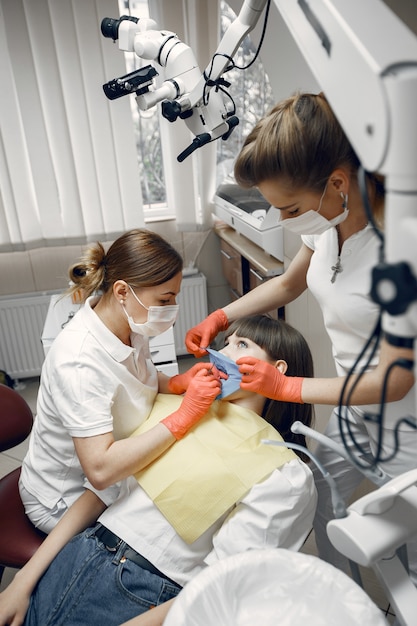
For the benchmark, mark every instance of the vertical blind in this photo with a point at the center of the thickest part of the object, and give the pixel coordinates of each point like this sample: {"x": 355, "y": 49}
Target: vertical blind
{"x": 190, "y": 185}
{"x": 68, "y": 160}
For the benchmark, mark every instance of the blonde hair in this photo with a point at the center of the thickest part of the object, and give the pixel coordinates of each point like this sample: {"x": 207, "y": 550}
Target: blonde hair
{"x": 300, "y": 142}
{"x": 140, "y": 257}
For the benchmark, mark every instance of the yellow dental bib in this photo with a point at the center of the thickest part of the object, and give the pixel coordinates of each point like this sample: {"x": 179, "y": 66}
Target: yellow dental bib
{"x": 204, "y": 474}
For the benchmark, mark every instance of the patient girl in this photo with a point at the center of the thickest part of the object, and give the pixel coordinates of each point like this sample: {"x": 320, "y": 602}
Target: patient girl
{"x": 217, "y": 492}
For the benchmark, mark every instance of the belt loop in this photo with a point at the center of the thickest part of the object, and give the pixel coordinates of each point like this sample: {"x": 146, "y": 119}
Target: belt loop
{"x": 119, "y": 553}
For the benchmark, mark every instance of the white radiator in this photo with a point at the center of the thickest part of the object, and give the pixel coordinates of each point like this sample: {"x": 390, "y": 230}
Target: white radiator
{"x": 193, "y": 308}
{"x": 22, "y": 318}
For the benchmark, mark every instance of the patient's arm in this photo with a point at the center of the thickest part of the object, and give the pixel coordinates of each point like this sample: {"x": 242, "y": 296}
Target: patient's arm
{"x": 154, "y": 617}
{"x": 14, "y": 600}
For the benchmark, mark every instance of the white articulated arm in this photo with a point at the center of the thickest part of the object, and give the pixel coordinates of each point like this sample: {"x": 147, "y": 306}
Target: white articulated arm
{"x": 375, "y": 527}
{"x": 186, "y": 92}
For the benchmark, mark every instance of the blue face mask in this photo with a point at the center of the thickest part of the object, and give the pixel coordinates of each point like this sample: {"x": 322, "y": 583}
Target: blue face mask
{"x": 229, "y": 367}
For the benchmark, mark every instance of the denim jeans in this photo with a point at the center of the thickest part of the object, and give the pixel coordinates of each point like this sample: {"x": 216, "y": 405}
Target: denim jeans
{"x": 87, "y": 585}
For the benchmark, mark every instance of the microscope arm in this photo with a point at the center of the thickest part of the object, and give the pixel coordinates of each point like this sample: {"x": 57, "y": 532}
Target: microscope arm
{"x": 244, "y": 23}
{"x": 186, "y": 92}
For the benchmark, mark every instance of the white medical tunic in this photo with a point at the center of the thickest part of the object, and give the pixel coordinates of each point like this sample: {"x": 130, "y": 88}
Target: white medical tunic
{"x": 349, "y": 313}
{"x": 91, "y": 384}
{"x": 276, "y": 513}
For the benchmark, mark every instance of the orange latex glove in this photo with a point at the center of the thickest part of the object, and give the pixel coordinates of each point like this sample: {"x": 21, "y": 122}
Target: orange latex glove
{"x": 179, "y": 384}
{"x": 267, "y": 380}
{"x": 201, "y": 336}
{"x": 202, "y": 391}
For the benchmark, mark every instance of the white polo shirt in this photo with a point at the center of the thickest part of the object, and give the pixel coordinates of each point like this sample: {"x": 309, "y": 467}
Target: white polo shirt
{"x": 349, "y": 313}
{"x": 276, "y": 513}
{"x": 91, "y": 384}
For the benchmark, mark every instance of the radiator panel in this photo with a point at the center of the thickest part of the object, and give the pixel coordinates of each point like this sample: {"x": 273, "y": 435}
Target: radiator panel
{"x": 193, "y": 308}
{"x": 22, "y": 318}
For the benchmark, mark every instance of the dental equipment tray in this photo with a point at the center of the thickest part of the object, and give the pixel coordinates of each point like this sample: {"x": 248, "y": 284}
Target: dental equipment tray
{"x": 247, "y": 211}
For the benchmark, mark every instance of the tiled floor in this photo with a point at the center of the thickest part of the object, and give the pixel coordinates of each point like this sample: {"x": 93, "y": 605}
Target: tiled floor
{"x": 12, "y": 458}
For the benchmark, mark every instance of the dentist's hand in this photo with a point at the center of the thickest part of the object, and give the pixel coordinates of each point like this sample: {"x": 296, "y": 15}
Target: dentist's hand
{"x": 203, "y": 389}
{"x": 265, "y": 379}
{"x": 179, "y": 384}
{"x": 201, "y": 336}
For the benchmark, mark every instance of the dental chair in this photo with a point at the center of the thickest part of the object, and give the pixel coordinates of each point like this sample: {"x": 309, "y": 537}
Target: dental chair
{"x": 272, "y": 587}
{"x": 292, "y": 589}
{"x": 19, "y": 539}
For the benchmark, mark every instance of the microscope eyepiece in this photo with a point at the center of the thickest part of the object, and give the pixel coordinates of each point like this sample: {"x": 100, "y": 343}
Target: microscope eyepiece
{"x": 110, "y": 25}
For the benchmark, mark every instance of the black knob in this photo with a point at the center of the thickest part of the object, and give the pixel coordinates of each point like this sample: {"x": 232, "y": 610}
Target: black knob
{"x": 170, "y": 110}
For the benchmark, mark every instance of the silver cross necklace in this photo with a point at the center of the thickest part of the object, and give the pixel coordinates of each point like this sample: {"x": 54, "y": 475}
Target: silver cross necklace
{"x": 337, "y": 267}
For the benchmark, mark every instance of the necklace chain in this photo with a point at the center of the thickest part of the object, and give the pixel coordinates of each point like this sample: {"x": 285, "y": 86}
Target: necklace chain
{"x": 337, "y": 269}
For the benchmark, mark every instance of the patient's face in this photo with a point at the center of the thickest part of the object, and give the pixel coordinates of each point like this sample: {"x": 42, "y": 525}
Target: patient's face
{"x": 237, "y": 347}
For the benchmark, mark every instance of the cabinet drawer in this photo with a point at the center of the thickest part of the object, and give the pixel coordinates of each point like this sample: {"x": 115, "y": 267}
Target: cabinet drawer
{"x": 163, "y": 354}
{"x": 170, "y": 369}
{"x": 163, "y": 339}
{"x": 255, "y": 279}
{"x": 232, "y": 267}
{"x": 162, "y": 347}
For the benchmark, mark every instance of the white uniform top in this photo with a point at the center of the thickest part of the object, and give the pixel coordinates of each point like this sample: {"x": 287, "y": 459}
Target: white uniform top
{"x": 276, "y": 513}
{"x": 91, "y": 384}
{"x": 349, "y": 313}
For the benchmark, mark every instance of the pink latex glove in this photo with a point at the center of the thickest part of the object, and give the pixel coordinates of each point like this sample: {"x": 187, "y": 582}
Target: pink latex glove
{"x": 203, "y": 389}
{"x": 179, "y": 384}
{"x": 201, "y": 336}
{"x": 268, "y": 381}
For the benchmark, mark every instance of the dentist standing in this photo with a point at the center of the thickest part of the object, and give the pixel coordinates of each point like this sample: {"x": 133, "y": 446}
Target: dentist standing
{"x": 98, "y": 381}
{"x": 302, "y": 162}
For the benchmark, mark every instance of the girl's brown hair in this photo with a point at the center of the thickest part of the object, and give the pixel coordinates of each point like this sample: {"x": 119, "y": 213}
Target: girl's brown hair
{"x": 140, "y": 257}
{"x": 281, "y": 341}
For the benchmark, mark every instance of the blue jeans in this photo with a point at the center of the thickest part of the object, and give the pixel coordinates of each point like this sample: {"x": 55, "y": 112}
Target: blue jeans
{"x": 88, "y": 584}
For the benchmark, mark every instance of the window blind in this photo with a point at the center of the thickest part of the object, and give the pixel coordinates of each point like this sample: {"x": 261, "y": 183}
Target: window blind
{"x": 68, "y": 160}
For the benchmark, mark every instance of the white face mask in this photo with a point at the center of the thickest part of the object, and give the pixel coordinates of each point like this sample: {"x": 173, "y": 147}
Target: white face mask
{"x": 160, "y": 318}
{"x": 312, "y": 223}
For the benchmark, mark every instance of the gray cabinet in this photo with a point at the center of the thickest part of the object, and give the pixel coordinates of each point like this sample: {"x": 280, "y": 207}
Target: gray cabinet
{"x": 245, "y": 265}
